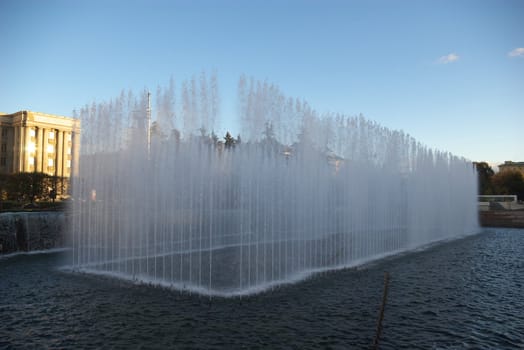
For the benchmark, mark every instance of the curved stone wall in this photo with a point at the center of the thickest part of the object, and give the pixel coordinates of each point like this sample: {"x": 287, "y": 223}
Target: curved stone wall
{"x": 26, "y": 231}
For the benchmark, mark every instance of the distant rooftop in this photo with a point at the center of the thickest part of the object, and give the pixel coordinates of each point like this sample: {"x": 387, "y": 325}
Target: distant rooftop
{"x": 509, "y": 162}
{"x": 512, "y": 166}
{"x": 33, "y": 112}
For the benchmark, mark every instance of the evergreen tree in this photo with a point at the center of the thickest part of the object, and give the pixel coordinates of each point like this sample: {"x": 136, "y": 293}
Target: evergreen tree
{"x": 229, "y": 140}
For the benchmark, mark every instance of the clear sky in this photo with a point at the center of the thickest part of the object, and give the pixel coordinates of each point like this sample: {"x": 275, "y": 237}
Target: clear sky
{"x": 450, "y": 73}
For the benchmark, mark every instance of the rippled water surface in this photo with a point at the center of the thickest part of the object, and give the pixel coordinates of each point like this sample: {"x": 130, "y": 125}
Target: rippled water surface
{"x": 467, "y": 293}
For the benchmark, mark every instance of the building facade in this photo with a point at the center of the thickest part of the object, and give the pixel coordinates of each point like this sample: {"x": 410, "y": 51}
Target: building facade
{"x": 39, "y": 142}
{"x": 509, "y": 165}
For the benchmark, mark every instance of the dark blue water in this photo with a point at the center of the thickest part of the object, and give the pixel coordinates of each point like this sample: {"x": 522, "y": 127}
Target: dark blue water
{"x": 465, "y": 294}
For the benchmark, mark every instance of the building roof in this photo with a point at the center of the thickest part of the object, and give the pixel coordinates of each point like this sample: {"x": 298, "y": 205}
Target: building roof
{"x": 39, "y": 113}
{"x": 31, "y": 118}
{"x": 510, "y": 163}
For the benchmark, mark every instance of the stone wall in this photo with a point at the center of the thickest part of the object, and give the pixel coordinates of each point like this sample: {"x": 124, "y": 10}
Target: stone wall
{"x": 25, "y": 231}
{"x": 502, "y": 218}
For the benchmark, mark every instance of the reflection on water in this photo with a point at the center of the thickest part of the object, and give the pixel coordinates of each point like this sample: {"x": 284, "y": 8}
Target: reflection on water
{"x": 463, "y": 294}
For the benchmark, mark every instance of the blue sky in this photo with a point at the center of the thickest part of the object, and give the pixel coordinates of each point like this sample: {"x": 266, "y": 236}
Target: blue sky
{"x": 450, "y": 73}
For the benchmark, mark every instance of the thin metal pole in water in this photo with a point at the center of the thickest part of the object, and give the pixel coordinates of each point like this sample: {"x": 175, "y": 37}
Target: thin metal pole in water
{"x": 382, "y": 307}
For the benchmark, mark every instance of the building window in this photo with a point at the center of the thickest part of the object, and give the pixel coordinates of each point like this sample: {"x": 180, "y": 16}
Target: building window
{"x": 50, "y": 162}
{"x": 4, "y": 147}
{"x": 50, "y": 149}
{"x": 31, "y": 161}
{"x": 51, "y": 135}
{"x": 69, "y": 137}
{"x": 2, "y": 161}
{"x": 68, "y": 150}
{"x": 4, "y": 131}
{"x": 68, "y": 164}
{"x": 31, "y": 147}
{"x": 32, "y": 133}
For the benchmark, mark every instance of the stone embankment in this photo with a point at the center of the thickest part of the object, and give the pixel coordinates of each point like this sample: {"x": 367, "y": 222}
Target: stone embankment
{"x": 502, "y": 218}
{"x": 26, "y": 231}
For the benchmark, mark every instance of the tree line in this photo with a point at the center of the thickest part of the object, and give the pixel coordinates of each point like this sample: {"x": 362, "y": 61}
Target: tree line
{"x": 29, "y": 187}
{"x": 507, "y": 182}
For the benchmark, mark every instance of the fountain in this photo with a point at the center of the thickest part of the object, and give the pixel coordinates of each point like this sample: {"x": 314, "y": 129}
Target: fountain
{"x": 168, "y": 203}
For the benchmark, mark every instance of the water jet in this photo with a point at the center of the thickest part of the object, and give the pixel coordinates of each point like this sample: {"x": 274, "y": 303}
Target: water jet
{"x": 302, "y": 192}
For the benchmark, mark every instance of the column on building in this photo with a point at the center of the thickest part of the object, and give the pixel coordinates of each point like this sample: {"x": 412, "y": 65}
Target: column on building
{"x": 59, "y": 149}
{"x": 23, "y": 153}
{"x": 39, "y": 144}
{"x": 29, "y": 150}
{"x": 16, "y": 147}
{"x": 45, "y": 142}
{"x": 67, "y": 153}
{"x": 51, "y": 156}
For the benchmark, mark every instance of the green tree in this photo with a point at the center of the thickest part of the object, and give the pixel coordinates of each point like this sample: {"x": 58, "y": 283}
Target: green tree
{"x": 53, "y": 186}
{"x": 4, "y": 188}
{"x": 485, "y": 174}
{"x": 509, "y": 182}
{"x": 229, "y": 141}
{"x": 29, "y": 186}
